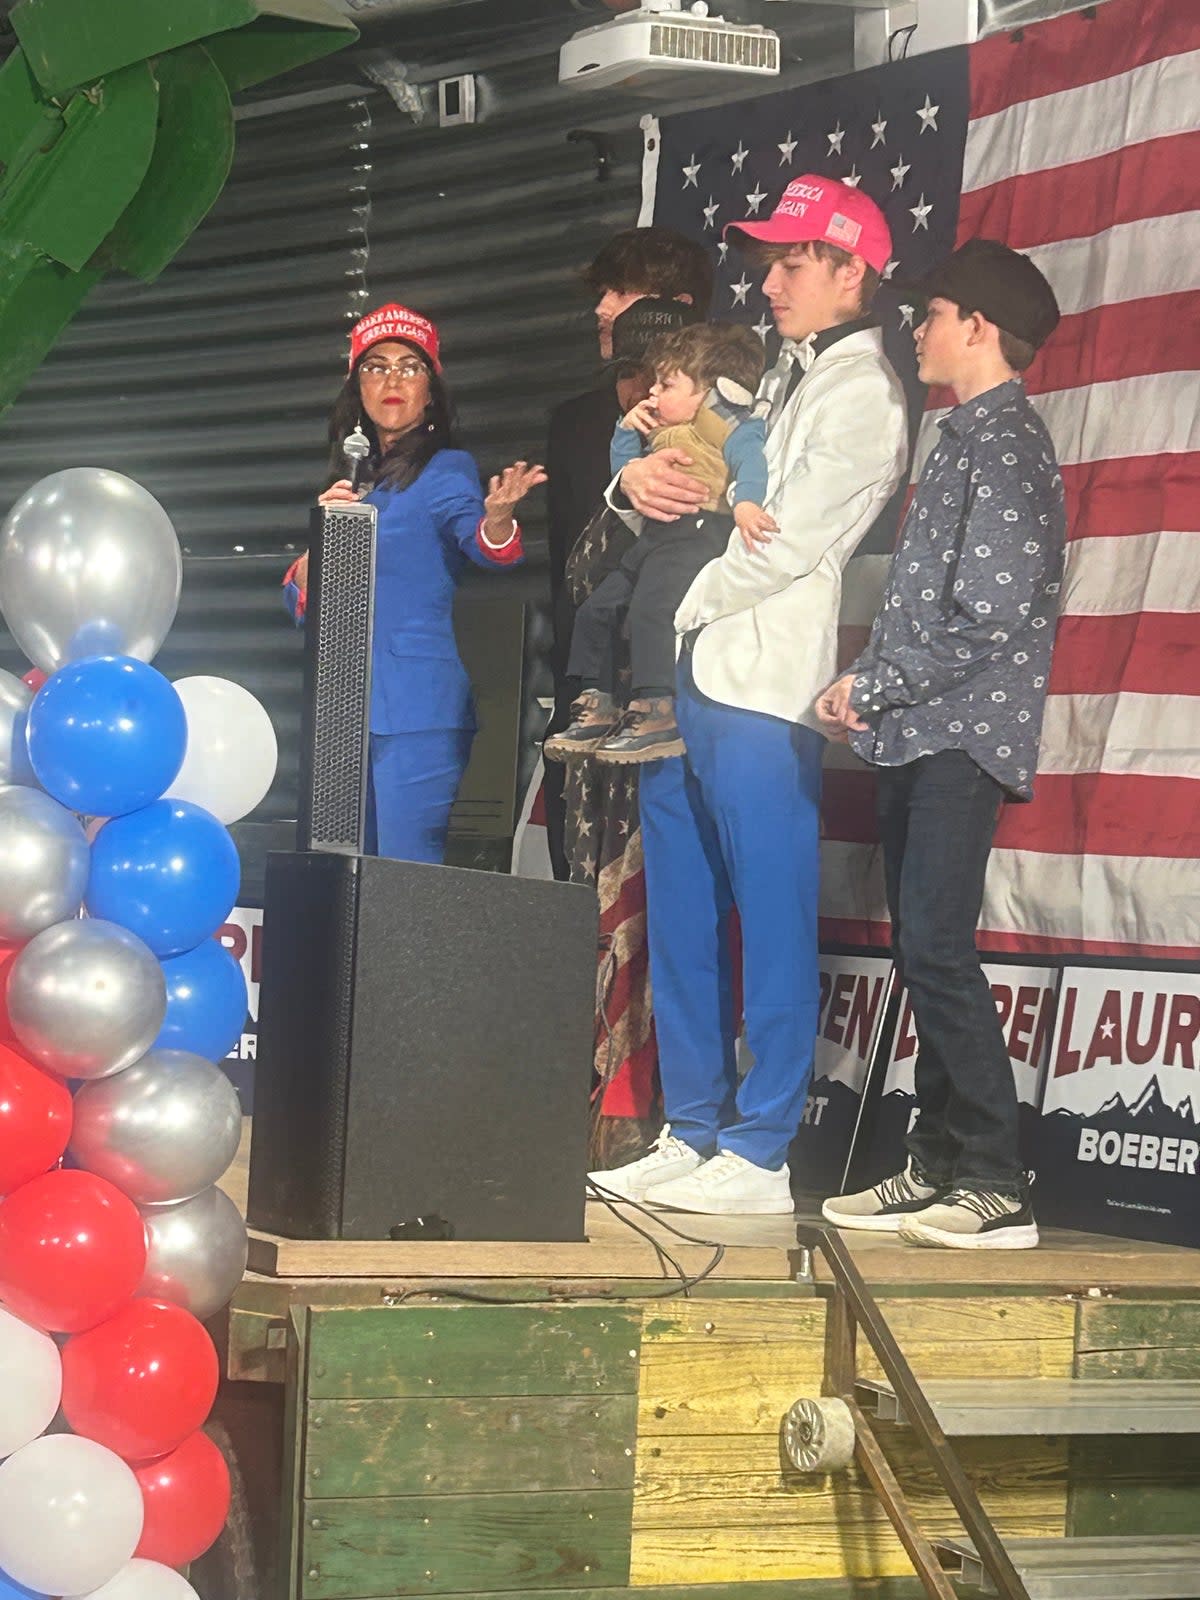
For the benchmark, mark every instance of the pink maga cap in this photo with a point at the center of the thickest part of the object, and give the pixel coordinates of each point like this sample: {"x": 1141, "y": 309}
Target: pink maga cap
{"x": 814, "y": 208}
{"x": 394, "y": 322}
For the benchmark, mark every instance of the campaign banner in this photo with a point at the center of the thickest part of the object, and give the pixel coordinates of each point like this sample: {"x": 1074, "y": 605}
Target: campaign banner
{"x": 242, "y": 934}
{"x": 1025, "y": 1004}
{"x": 1118, "y": 1144}
{"x": 853, "y": 999}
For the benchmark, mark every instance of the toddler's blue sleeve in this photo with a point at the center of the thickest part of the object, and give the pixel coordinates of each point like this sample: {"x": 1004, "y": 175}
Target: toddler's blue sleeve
{"x": 626, "y": 446}
{"x": 745, "y": 456}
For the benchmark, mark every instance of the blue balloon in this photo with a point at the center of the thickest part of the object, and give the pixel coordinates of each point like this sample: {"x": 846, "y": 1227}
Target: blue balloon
{"x": 169, "y": 873}
{"x": 206, "y": 1001}
{"x": 10, "y": 1589}
{"x": 106, "y": 735}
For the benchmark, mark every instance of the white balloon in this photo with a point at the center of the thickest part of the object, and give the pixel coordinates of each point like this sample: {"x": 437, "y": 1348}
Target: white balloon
{"x": 143, "y": 1580}
{"x": 70, "y": 1515}
{"x": 232, "y": 752}
{"x": 30, "y": 1382}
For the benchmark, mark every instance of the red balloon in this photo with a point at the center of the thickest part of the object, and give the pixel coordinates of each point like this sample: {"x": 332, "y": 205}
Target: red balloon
{"x": 35, "y": 678}
{"x": 35, "y": 1120}
{"x": 72, "y": 1249}
{"x": 186, "y": 1495}
{"x": 142, "y": 1381}
{"x": 8, "y": 954}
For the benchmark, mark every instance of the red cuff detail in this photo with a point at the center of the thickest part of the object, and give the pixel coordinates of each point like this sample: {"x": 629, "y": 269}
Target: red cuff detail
{"x": 300, "y": 602}
{"x": 502, "y": 555}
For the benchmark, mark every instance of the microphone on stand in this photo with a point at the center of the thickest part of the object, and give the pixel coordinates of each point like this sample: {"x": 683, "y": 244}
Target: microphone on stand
{"x": 356, "y": 447}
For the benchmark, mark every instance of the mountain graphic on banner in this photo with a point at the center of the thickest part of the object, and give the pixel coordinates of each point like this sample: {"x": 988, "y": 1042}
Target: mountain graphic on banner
{"x": 1150, "y": 1109}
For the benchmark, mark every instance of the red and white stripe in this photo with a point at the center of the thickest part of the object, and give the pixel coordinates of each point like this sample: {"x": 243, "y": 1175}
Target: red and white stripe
{"x": 1080, "y": 150}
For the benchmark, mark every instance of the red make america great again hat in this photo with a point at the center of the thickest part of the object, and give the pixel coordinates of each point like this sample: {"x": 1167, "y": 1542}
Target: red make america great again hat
{"x": 815, "y": 208}
{"x": 394, "y": 322}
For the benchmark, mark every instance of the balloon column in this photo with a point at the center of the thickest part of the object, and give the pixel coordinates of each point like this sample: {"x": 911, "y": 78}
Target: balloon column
{"x": 116, "y": 871}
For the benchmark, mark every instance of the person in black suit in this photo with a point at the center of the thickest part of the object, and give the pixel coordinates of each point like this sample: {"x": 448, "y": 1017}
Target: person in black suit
{"x": 635, "y": 264}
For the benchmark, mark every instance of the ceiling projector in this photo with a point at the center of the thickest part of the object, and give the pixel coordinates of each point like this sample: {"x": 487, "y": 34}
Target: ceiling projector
{"x": 646, "y": 48}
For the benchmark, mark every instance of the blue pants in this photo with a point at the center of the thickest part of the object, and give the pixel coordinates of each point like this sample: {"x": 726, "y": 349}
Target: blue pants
{"x": 414, "y": 781}
{"x": 734, "y": 822}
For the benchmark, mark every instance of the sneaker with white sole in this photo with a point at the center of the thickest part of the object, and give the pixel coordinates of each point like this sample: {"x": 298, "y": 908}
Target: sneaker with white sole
{"x": 667, "y": 1158}
{"x": 973, "y": 1219}
{"x": 728, "y": 1186}
{"x": 883, "y": 1208}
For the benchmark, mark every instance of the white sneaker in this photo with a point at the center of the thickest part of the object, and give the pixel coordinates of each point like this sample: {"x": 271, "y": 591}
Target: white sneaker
{"x": 728, "y": 1185}
{"x": 668, "y": 1158}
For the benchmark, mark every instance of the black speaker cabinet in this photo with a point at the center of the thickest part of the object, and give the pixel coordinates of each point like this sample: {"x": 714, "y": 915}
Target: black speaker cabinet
{"x": 424, "y": 1052}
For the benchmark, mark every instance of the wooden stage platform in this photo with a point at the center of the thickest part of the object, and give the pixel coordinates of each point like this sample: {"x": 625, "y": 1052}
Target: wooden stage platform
{"x": 470, "y": 1420}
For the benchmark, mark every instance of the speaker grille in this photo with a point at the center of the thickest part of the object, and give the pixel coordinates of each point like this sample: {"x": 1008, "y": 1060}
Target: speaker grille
{"x": 336, "y": 729}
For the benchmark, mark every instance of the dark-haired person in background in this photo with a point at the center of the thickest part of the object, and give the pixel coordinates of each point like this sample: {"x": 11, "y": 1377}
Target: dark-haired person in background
{"x": 433, "y": 519}
{"x": 946, "y": 704}
{"x": 636, "y": 264}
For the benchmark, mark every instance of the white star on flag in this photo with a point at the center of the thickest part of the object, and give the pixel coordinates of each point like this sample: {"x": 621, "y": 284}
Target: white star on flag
{"x": 854, "y": 178}
{"x": 738, "y": 156}
{"x": 906, "y": 316}
{"x": 690, "y": 173}
{"x": 835, "y": 140}
{"x": 920, "y": 212}
{"x": 741, "y": 289}
{"x": 899, "y": 172}
{"x": 928, "y": 114}
{"x": 710, "y": 211}
{"x": 755, "y": 200}
{"x": 763, "y": 328}
{"x": 878, "y": 128}
{"x": 889, "y": 269}
{"x": 722, "y": 251}
{"x": 785, "y": 149}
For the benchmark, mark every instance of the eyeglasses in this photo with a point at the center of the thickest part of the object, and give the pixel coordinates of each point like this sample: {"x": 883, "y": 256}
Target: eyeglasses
{"x": 407, "y": 371}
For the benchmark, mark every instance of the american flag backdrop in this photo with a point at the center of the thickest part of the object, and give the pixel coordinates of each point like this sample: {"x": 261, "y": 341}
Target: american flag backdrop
{"x": 1075, "y": 140}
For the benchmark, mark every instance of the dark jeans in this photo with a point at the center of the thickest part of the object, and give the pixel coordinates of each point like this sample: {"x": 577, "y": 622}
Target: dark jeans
{"x": 646, "y": 588}
{"x": 937, "y": 816}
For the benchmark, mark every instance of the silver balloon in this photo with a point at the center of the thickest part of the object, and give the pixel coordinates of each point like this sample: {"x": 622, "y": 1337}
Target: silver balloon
{"x": 162, "y": 1130}
{"x": 196, "y": 1253}
{"x": 89, "y": 565}
{"x": 15, "y": 696}
{"x": 43, "y": 863}
{"x": 86, "y": 999}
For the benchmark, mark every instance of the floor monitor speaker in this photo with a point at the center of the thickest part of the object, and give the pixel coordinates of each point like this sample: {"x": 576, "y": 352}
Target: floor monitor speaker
{"x": 424, "y": 1052}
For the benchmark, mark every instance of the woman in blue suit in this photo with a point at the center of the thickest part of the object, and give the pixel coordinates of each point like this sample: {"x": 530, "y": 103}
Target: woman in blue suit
{"x": 432, "y": 520}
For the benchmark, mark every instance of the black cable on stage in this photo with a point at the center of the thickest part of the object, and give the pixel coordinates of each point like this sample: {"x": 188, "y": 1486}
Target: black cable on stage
{"x": 685, "y": 1285}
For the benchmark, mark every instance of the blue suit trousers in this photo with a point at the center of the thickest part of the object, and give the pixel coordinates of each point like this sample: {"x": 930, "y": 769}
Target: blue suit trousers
{"x": 735, "y": 822}
{"x": 414, "y": 783}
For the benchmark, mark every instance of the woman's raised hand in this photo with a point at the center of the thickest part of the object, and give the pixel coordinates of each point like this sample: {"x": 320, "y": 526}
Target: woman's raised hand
{"x": 509, "y": 487}
{"x": 339, "y": 493}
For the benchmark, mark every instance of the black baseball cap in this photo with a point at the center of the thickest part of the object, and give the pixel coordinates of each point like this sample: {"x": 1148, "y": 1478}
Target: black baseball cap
{"x": 1001, "y": 284}
{"x": 636, "y": 329}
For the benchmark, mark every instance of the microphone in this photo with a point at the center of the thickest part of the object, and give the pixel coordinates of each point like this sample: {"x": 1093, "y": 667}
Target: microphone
{"x": 356, "y": 447}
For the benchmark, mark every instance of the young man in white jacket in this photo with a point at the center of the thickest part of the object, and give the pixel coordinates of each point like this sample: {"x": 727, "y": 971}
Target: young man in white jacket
{"x": 734, "y": 822}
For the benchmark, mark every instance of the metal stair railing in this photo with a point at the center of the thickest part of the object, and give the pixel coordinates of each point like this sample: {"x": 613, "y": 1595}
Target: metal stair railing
{"x": 851, "y": 1307}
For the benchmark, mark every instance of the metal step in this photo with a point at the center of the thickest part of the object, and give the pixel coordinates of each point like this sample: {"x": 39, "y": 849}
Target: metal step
{"x": 972, "y": 1408}
{"x": 1149, "y": 1568}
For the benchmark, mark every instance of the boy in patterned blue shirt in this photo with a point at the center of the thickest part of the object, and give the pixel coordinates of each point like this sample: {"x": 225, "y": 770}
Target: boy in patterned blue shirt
{"x": 946, "y": 702}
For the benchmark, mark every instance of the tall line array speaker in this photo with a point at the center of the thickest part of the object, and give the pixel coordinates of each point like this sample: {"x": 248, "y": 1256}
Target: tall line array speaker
{"x": 335, "y": 727}
{"x": 425, "y": 1051}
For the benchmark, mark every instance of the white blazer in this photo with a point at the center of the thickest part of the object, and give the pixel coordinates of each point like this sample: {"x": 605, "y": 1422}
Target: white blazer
{"x": 836, "y": 452}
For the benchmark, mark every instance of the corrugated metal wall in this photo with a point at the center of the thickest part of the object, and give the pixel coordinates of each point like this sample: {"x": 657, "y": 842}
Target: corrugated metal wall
{"x": 212, "y": 386}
